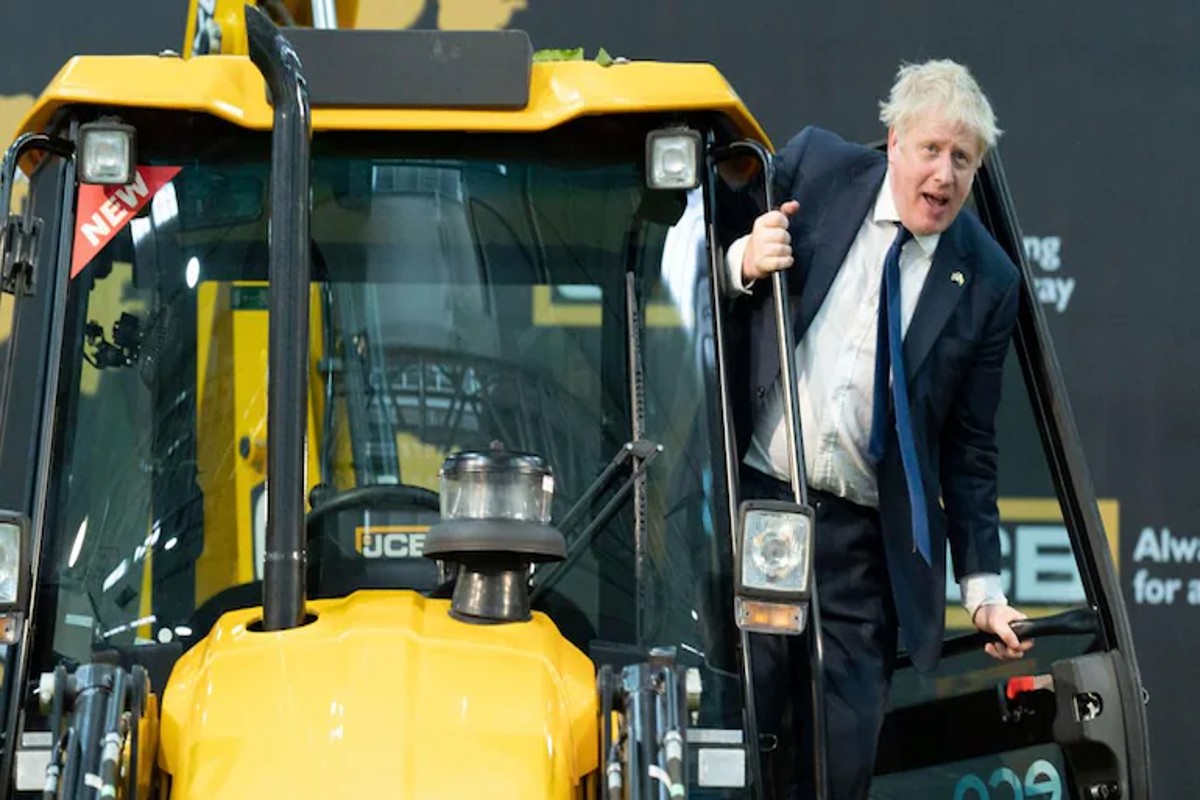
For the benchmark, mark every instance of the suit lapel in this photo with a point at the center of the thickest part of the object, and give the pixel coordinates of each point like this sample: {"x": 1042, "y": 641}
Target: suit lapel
{"x": 944, "y": 286}
{"x": 839, "y": 224}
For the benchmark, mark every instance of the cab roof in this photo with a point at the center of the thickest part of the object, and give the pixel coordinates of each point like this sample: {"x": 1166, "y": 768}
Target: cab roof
{"x": 229, "y": 87}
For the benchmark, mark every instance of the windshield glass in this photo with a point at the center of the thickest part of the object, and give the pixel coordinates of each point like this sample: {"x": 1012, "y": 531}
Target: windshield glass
{"x": 466, "y": 291}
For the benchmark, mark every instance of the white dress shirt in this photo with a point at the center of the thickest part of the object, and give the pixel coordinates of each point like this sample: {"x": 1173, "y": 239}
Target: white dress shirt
{"x": 835, "y": 373}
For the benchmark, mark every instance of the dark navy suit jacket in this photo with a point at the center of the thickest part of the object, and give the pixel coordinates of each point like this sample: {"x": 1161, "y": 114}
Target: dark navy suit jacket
{"x": 954, "y": 352}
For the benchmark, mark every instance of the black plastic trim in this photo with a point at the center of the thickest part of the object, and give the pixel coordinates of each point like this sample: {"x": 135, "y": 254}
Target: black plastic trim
{"x": 415, "y": 68}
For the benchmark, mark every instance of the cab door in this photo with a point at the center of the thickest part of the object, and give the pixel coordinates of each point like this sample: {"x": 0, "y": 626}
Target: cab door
{"x": 1068, "y": 720}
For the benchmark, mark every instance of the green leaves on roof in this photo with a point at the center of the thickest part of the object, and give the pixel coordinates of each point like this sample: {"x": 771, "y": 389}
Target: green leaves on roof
{"x": 570, "y": 54}
{"x": 575, "y": 54}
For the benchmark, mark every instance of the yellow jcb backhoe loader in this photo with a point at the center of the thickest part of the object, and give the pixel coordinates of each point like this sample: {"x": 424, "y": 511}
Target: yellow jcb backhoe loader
{"x": 365, "y": 433}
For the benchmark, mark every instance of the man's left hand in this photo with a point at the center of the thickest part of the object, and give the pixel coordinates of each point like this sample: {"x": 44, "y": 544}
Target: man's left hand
{"x": 998, "y": 619}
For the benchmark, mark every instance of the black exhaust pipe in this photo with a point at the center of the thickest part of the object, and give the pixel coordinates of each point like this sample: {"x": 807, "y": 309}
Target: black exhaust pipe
{"x": 287, "y": 349}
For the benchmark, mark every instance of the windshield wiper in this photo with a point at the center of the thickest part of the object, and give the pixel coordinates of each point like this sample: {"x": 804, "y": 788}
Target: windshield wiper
{"x": 644, "y": 452}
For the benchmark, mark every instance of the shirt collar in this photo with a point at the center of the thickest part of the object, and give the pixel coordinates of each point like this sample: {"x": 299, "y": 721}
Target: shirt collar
{"x": 885, "y": 211}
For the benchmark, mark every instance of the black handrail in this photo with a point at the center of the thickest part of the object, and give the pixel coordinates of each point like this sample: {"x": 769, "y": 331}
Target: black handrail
{"x": 786, "y": 345}
{"x": 1075, "y": 622}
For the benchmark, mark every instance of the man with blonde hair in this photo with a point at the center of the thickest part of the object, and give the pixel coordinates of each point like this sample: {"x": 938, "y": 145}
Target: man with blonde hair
{"x": 903, "y": 311}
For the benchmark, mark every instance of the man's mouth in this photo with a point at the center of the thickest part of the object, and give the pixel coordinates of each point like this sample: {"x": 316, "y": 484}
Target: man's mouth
{"x": 938, "y": 201}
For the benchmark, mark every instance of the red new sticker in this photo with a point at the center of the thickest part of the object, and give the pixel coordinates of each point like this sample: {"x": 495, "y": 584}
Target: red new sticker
{"x": 102, "y": 211}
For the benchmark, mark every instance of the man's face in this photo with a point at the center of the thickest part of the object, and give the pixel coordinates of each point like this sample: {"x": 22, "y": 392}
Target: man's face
{"x": 933, "y": 164}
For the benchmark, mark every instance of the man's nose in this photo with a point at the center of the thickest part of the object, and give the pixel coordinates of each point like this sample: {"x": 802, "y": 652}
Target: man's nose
{"x": 944, "y": 170}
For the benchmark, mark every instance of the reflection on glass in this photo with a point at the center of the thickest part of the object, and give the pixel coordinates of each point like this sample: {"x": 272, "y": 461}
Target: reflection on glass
{"x": 464, "y": 293}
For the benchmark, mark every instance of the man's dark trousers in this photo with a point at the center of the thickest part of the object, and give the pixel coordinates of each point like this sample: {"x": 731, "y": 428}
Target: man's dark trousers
{"x": 858, "y": 623}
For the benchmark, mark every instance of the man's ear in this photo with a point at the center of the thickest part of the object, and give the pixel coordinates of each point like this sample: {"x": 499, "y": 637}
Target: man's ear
{"x": 893, "y": 144}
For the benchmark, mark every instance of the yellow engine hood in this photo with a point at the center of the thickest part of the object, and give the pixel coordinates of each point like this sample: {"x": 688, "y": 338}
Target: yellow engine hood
{"x": 384, "y": 695}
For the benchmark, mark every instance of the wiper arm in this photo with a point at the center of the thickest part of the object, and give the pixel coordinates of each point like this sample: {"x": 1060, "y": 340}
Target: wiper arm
{"x": 645, "y": 452}
{"x": 640, "y": 449}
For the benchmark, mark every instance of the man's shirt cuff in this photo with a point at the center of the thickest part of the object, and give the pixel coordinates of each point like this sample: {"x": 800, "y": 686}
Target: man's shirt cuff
{"x": 733, "y": 267}
{"x": 981, "y": 589}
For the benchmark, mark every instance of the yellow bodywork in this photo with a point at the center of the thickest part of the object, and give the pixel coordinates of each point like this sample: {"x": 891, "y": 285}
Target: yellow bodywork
{"x": 229, "y": 87}
{"x": 383, "y": 695}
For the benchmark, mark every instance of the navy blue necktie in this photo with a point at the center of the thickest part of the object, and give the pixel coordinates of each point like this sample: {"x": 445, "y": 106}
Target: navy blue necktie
{"x": 889, "y": 356}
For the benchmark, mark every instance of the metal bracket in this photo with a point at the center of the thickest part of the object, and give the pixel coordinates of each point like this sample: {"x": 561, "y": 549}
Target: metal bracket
{"x": 18, "y": 253}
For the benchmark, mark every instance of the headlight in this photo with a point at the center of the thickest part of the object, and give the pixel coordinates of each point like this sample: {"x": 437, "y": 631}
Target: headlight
{"x": 775, "y": 564}
{"x": 673, "y": 159}
{"x": 776, "y": 550}
{"x": 10, "y": 562}
{"x": 107, "y": 153}
{"x": 14, "y": 574}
